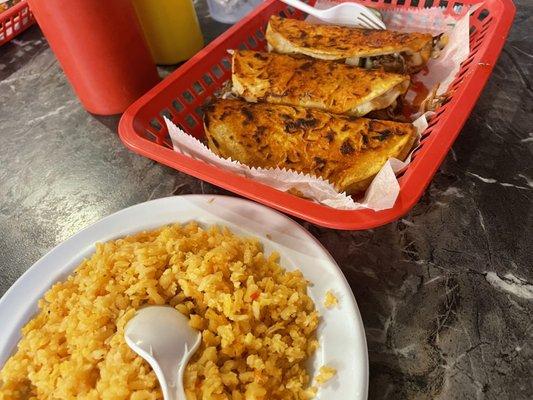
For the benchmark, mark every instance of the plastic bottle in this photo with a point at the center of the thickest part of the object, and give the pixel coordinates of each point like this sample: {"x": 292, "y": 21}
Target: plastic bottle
{"x": 171, "y": 28}
{"x": 101, "y": 49}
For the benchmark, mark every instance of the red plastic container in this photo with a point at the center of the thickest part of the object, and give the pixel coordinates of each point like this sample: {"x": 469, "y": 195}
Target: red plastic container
{"x": 14, "y": 21}
{"x": 181, "y": 95}
{"x": 101, "y": 48}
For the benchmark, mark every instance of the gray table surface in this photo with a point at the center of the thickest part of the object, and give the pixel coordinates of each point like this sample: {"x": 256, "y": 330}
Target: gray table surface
{"x": 445, "y": 293}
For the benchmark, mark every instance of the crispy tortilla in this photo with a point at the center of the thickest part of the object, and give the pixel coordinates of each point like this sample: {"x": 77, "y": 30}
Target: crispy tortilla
{"x": 307, "y": 82}
{"x": 390, "y": 50}
{"x": 345, "y": 150}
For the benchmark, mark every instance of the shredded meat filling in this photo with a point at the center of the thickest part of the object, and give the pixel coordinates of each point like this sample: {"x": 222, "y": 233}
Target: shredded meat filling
{"x": 389, "y": 62}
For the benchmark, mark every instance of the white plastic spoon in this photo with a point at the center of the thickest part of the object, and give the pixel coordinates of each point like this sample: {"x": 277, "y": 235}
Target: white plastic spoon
{"x": 162, "y": 336}
{"x": 349, "y": 14}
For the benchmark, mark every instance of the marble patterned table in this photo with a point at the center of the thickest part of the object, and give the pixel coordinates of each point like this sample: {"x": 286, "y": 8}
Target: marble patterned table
{"x": 446, "y": 292}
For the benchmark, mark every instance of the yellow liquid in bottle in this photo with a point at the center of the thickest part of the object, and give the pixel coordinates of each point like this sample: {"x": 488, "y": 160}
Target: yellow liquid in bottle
{"x": 171, "y": 29}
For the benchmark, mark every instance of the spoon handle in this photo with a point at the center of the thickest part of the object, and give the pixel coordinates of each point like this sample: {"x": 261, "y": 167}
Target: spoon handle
{"x": 172, "y": 394}
{"x": 167, "y": 381}
{"x": 300, "y": 5}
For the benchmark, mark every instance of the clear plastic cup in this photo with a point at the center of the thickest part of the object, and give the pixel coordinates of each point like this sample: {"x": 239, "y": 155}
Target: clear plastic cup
{"x": 230, "y": 11}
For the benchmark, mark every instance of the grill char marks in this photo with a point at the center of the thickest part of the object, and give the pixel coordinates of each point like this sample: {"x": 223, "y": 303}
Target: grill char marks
{"x": 248, "y": 115}
{"x": 292, "y": 126}
{"x": 347, "y": 147}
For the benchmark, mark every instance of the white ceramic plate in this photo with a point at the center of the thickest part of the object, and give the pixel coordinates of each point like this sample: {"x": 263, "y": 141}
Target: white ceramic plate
{"x": 341, "y": 333}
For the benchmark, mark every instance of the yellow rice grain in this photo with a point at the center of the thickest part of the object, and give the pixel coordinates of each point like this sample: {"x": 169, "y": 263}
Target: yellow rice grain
{"x": 257, "y": 322}
{"x": 330, "y": 300}
{"x": 325, "y": 374}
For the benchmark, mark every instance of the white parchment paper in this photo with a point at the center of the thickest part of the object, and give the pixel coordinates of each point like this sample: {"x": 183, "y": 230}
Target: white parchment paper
{"x": 384, "y": 189}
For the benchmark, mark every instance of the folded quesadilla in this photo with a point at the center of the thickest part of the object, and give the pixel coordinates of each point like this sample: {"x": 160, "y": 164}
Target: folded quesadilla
{"x": 307, "y": 82}
{"x": 345, "y": 150}
{"x": 390, "y": 50}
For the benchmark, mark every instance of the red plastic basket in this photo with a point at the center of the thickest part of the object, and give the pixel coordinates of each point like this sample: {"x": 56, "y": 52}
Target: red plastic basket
{"x": 14, "y": 21}
{"x": 181, "y": 95}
